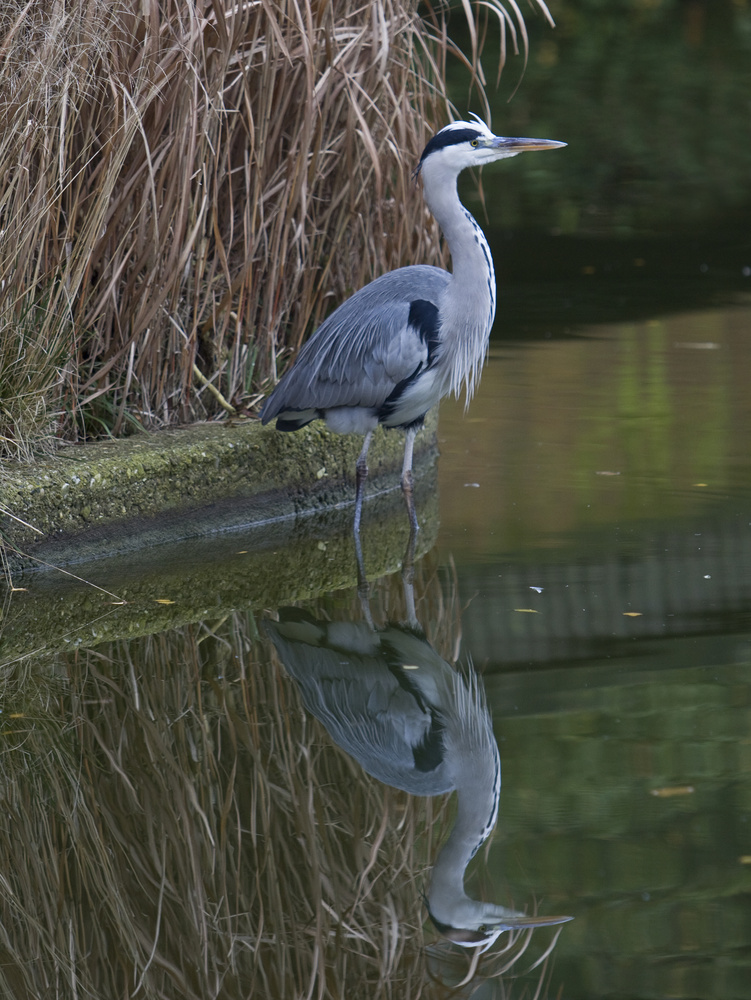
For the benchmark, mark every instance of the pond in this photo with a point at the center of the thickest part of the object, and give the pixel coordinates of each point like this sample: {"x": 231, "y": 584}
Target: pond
{"x": 211, "y": 814}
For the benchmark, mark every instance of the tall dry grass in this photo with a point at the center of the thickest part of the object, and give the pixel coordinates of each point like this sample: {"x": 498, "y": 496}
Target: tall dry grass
{"x": 187, "y": 187}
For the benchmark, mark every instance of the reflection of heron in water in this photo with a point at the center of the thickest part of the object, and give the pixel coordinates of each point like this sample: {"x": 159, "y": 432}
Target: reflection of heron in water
{"x": 413, "y": 722}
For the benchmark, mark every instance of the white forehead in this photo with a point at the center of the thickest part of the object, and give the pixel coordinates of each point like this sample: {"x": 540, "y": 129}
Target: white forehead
{"x": 477, "y": 125}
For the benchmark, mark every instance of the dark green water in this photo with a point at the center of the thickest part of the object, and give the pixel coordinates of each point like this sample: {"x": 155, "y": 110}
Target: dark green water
{"x": 587, "y": 544}
{"x": 599, "y": 517}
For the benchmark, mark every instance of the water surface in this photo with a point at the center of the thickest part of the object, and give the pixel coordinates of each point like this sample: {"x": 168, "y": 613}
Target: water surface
{"x": 598, "y": 513}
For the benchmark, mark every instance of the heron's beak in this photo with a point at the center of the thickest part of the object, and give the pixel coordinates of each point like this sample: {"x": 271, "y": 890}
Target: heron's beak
{"x": 523, "y": 145}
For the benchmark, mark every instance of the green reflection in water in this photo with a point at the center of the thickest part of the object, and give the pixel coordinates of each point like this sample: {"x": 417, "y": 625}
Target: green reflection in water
{"x": 629, "y": 790}
{"x": 631, "y": 423}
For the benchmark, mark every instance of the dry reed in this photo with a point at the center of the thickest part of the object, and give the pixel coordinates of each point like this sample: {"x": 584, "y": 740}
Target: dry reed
{"x": 185, "y": 188}
{"x": 174, "y": 825}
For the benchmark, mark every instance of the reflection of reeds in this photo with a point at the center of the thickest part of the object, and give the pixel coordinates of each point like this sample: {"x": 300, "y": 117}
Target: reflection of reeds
{"x": 176, "y": 183}
{"x": 193, "y": 834}
{"x": 461, "y": 975}
{"x": 175, "y": 825}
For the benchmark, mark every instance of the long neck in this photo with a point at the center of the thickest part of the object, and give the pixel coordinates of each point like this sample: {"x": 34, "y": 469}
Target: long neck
{"x": 468, "y": 308}
{"x": 478, "y": 790}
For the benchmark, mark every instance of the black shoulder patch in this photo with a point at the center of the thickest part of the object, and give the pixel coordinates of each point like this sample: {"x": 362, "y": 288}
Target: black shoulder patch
{"x": 423, "y": 316}
{"x": 429, "y": 753}
{"x": 448, "y": 137}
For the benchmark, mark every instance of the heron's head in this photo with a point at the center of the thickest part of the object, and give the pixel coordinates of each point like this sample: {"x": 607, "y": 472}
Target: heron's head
{"x": 472, "y": 144}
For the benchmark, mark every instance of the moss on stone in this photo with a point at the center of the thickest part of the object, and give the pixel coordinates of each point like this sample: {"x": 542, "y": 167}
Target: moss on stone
{"x": 117, "y": 496}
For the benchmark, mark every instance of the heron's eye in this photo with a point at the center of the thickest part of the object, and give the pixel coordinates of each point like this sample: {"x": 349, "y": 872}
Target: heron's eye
{"x": 474, "y": 143}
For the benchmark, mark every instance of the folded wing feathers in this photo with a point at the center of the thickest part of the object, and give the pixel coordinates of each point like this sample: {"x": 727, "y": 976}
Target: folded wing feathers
{"x": 365, "y": 347}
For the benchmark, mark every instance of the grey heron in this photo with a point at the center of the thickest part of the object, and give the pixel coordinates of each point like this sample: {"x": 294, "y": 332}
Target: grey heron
{"x": 397, "y": 346}
{"x": 413, "y": 722}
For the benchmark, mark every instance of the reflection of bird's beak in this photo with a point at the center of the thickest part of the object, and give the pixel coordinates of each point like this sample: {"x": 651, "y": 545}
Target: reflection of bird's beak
{"x": 523, "y": 145}
{"x": 511, "y": 923}
{"x": 520, "y": 923}
{"x": 485, "y": 936}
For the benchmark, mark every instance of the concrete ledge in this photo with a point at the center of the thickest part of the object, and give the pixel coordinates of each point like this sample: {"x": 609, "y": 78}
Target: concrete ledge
{"x": 105, "y": 498}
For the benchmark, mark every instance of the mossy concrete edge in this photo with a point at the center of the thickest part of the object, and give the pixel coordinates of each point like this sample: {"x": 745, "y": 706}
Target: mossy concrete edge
{"x": 119, "y": 496}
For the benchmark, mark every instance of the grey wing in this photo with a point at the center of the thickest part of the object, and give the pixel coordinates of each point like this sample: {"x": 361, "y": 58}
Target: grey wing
{"x": 351, "y": 688}
{"x": 365, "y": 348}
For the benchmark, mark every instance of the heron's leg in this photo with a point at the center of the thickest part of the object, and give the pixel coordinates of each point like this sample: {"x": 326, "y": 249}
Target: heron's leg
{"x": 408, "y": 562}
{"x": 361, "y": 474}
{"x": 363, "y": 587}
{"x": 408, "y": 579}
{"x": 407, "y": 479}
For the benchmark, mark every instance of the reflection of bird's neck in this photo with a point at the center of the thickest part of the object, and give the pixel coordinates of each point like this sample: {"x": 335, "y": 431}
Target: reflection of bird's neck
{"x": 468, "y": 307}
{"x": 478, "y": 790}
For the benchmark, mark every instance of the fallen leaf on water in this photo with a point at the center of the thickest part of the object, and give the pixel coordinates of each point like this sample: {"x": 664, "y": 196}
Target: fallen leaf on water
{"x": 632, "y": 614}
{"x": 605, "y": 472}
{"x": 528, "y": 611}
{"x": 745, "y": 859}
{"x": 164, "y": 600}
{"x": 700, "y": 484}
{"x": 670, "y": 791}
